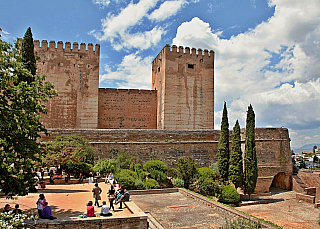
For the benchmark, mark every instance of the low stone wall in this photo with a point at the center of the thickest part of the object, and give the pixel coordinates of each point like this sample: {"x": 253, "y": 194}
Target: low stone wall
{"x": 306, "y": 198}
{"x": 138, "y": 220}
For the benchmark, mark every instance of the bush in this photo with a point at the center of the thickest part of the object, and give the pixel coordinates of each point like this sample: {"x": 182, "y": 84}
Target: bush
{"x": 158, "y": 175}
{"x": 229, "y": 195}
{"x": 78, "y": 168}
{"x": 215, "y": 169}
{"x": 139, "y": 185}
{"x": 141, "y": 174}
{"x": 151, "y": 184}
{"x": 172, "y": 172}
{"x": 241, "y": 224}
{"x": 206, "y": 172}
{"x": 155, "y": 165}
{"x": 137, "y": 167}
{"x": 127, "y": 178}
{"x": 105, "y": 167}
{"x": 208, "y": 186}
{"x": 177, "y": 182}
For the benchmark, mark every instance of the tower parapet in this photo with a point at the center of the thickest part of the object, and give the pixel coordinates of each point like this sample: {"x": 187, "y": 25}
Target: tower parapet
{"x": 75, "y": 48}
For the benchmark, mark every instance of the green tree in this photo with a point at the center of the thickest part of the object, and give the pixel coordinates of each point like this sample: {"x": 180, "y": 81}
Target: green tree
{"x": 187, "y": 170}
{"x": 251, "y": 163}
{"x": 223, "y": 149}
{"x": 236, "y": 162}
{"x": 21, "y": 106}
{"x": 27, "y": 56}
{"x": 70, "y": 152}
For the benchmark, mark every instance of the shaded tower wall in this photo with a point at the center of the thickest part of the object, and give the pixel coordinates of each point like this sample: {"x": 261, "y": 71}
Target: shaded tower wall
{"x": 185, "y": 88}
{"x": 75, "y": 75}
{"x": 127, "y": 109}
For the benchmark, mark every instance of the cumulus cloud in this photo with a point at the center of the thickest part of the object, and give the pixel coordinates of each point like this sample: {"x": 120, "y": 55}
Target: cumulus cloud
{"x": 167, "y": 9}
{"x": 283, "y": 91}
{"x": 101, "y": 3}
{"x": 133, "y": 72}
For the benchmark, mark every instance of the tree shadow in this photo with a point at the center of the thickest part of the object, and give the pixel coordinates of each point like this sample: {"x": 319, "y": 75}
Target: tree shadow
{"x": 60, "y": 191}
{"x": 65, "y": 213}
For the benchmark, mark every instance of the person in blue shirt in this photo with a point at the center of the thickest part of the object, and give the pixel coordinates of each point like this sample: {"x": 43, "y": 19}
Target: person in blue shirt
{"x": 46, "y": 212}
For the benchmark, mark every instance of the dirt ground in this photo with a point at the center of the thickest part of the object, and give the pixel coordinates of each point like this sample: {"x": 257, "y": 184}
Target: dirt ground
{"x": 65, "y": 200}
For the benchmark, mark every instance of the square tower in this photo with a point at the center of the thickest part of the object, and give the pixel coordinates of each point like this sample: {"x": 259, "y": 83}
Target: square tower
{"x": 185, "y": 88}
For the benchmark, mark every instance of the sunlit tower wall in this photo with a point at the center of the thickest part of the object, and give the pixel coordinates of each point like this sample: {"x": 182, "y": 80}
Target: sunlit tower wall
{"x": 75, "y": 74}
{"x": 184, "y": 83}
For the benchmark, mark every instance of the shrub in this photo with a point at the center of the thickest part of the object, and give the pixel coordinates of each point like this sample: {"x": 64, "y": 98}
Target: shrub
{"x": 139, "y": 185}
{"x": 127, "y": 178}
{"x": 155, "y": 165}
{"x": 137, "y": 167}
{"x": 229, "y": 195}
{"x": 172, "y": 172}
{"x": 151, "y": 184}
{"x": 158, "y": 175}
{"x": 207, "y": 186}
{"x": 241, "y": 224}
{"x": 177, "y": 182}
{"x": 215, "y": 169}
{"x": 106, "y": 166}
{"x": 141, "y": 174}
{"x": 78, "y": 168}
{"x": 206, "y": 172}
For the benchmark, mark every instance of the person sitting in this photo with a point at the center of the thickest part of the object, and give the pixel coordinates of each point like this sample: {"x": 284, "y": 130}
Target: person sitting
{"x": 125, "y": 197}
{"x": 46, "y": 212}
{"x": 67, "y": 178}
{"x": 16, "y": 210}
{"x": 90, "y": 178}
{"x": 105, "y": 209}
{"x": 98, "y": 176}
{"x": 6, "y": 208}
{"x": 51, "y": 174}
{"x": 90, "y": 209}
{"x": 109, "y": 178}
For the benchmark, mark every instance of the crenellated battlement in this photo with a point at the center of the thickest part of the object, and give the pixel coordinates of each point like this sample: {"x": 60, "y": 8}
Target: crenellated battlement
{"x": 66, "y": 47}
{"x": 186, "y": 50}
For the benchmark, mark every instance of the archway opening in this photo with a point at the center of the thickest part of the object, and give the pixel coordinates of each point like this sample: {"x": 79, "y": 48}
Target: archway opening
{"x": 283, "y": 181}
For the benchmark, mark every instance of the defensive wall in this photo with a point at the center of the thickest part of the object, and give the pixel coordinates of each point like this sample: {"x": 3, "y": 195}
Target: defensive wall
{"x": 127, "y": 109}
{"x": 184, "y": 83}
{"x": 75, "y": 74}
{"x": 273, "y": 148}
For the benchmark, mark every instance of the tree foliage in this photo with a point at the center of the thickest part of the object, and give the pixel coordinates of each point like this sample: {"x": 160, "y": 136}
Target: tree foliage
{"x": 21, "y": 106}
{"x": 236, "y": 161}
{"x": 187, "y": 170}
{"x": 229, "y": 195}
{"x": 251, "y": 163}
{"x": 70, "y": 152}
{"x": 155, "y": 165}
{"x": 27, "y": 56}
{"x": 223, "y": 148}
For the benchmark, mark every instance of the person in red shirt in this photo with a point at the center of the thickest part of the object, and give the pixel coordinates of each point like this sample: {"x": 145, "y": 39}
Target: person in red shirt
{"x": 90, "y": 209}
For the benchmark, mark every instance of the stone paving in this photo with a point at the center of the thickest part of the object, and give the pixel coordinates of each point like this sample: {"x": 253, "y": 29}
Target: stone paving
{"x": 174, "y": 210}
{"x": 285, "y": 210}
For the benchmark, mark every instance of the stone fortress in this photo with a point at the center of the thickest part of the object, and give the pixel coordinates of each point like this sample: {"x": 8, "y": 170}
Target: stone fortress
{"x": 174, "y": 119}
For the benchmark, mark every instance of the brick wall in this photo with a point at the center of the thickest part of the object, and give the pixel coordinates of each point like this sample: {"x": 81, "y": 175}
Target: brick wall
{"x": 75, "y": 75}
{"x": 127, "y": 109}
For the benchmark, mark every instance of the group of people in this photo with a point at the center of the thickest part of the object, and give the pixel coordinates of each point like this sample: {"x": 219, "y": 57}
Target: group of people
{"x": 15, "y": 211}
{"x": 117, "y": 193}
{"x": 44, "y": 210}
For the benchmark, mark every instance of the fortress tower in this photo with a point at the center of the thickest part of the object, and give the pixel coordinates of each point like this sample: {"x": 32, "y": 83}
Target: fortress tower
{"x": 75, "y": 75}
{"x": 184, "y": 83}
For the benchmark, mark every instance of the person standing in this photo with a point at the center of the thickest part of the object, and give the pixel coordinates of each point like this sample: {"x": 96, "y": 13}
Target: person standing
{"x": 80, "y": 178}
{"x": 90, "y": 178}
{"x": 111, "y": 197}
{"x": 40, "y": 204}
{"x": 96, "y": 194}
{"x": 67, "y": 178}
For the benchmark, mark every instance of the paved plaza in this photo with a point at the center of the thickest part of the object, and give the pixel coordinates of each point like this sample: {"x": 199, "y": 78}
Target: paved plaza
{"x": 174, "y": 210}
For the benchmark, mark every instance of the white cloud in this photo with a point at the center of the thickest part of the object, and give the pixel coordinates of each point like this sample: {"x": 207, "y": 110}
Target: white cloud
{"x": 102, "y": 3}
{"x": 167, "y": 9}
{"x": 133, "y": 72}
{"x": 244, "y": 72}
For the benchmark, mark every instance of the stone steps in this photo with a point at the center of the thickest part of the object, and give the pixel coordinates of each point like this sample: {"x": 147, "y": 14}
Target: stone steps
{"x": 299, "y": 181}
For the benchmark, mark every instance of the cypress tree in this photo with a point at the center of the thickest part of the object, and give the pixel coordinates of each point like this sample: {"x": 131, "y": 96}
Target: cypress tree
{"x": 27, "y": 55}
{"x": 236, "y": 166}
{"x": 251, "y": 163}
{"x": 223, "y": 149}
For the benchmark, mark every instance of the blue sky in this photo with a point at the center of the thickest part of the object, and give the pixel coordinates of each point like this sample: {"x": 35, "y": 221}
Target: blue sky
{"x": 267, "y": 52}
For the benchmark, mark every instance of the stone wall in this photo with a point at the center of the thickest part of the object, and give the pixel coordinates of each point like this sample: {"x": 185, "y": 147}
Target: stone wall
{"x": 311, "y": 179}
{"x": 75, "y": 75}
{"x": 185, "y": 88}
{"x": 273, "y": 147}
{"x": 127, "y": 109}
